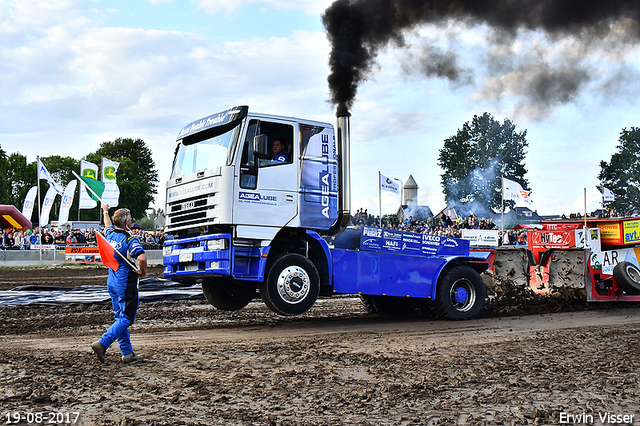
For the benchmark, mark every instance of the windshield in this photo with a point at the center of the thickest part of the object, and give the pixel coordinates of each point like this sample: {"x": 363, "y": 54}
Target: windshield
{"x": 206, "y": 154}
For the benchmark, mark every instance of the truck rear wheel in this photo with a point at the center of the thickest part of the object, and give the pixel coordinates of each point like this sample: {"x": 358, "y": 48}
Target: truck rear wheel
{"x": 627, "y": 275}
{"x": 397, "y": 306}
{"x": 292, "y": 285}
{"x": 461, "y": 293}
{"x": 367, "y": 303}
{"x": 227, "y": 294}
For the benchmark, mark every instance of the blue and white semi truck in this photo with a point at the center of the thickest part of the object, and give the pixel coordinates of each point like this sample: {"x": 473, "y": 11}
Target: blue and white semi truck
{"x": 243, "y": 222}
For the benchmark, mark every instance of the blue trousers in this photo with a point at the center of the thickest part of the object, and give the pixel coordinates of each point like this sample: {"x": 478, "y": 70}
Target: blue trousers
{"x": 124, "y": 299}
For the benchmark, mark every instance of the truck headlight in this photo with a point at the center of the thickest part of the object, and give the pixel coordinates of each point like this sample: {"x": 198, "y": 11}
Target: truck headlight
{"x": 219, "y": 244}
{"x": 166, "y": 251}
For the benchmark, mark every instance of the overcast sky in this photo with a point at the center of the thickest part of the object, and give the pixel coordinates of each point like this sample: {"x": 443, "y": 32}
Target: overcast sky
{"x": 77, "y": 73}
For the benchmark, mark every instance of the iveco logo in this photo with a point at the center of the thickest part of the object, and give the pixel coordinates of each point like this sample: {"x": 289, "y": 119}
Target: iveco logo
{"x": 188, "y": 205}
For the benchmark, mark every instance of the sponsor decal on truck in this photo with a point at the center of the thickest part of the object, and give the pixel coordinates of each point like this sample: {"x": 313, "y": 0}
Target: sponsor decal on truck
{"x": 191, "y": 190}
{"x": 411, "y": 243}
{"x": 257, "y": 198}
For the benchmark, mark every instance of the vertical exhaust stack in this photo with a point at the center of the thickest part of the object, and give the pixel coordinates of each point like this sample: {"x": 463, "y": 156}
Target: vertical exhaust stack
{"x": 344, "y": 172}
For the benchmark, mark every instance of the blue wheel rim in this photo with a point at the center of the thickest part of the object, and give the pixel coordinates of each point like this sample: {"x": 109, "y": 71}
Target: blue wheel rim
{"x": 461, "y": 295}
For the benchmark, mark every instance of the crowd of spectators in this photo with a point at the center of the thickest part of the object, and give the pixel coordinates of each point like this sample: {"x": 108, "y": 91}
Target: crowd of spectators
{"x": 438, "y": 225}
{"x": 434, "y": 225}
{"x": 23, "y": 240}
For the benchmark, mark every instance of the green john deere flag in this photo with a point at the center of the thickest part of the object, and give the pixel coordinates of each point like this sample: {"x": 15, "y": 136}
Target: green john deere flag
{"x": 95, "y": 185}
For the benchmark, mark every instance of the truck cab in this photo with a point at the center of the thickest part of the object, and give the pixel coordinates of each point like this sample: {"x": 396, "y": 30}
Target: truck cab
{"x": 232, "y": 207}
{"x": 224, "y": 176}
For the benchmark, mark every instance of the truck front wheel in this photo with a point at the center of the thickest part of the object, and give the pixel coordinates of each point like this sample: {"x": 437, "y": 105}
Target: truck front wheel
{"x": 292, "y": 285}
{"x": 227, "y": 294}
{"x": 461, "y": 293}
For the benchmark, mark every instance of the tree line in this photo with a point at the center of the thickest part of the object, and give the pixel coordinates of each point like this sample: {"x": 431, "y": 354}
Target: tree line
{"x": 483, "y": 150}
{"x": 472, "y": 161}
{"x": 137, "y": 177}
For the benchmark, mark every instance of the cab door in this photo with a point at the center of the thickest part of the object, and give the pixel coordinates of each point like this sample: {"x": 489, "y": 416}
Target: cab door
{"x": 267, "y": 188}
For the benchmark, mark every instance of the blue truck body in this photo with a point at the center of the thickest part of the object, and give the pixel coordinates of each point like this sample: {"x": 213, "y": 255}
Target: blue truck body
{"x": 241, "y": 222}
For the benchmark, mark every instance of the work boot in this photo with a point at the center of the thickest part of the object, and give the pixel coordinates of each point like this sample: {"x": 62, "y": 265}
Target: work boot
{"x": 129, "y": 358}
{"x": 99, "y": 350}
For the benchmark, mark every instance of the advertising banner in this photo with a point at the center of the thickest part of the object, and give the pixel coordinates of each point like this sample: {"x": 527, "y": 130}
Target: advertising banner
{"x": 387, "y": 184}
{"x": 552, "y": 239}
{"x": 29, "y": 202}
{"x": 47, "y": 203}
{"x": 610, "y": 233}
{"x": 608, "y": 195}
{"x": 42, "y": 247}
{"x": 87, "y": 169}
{"x": 513, "y": 191}
{"x": 481, "y": 237}
{"x": 610, "y": 258}
{"x": 561, "y": 226}
{"x": 67, "y": 200}
{"x": 631, "y": 231}
{"x": 541, "y": 240}
{"x": 111, "y": 194}
{"x": 43, "y": 173}
{"x": 411, "y": 243}
{"x": 82, "y": 254}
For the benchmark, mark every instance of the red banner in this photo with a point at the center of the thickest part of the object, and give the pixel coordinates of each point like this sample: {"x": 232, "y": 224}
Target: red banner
{"x": 82, "y": 254}
{"x": 549, "y": 239}
{"x": 539, "y": 240}
{"x": 561, "y": 226}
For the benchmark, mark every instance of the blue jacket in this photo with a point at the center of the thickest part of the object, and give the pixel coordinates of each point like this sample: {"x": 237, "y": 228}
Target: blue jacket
{"x": 127, "y": 245}
{"x": 280, "y": 158}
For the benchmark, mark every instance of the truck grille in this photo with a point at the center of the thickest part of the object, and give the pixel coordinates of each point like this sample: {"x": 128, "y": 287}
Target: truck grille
{"x": 190, "y": 212}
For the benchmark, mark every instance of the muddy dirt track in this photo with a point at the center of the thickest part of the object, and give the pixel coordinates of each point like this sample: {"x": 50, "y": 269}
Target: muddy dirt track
{"x": 335, "y": 365}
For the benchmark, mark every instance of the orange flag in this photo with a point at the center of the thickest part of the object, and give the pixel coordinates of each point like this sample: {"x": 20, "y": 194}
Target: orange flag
{"x": 107, "y": 252}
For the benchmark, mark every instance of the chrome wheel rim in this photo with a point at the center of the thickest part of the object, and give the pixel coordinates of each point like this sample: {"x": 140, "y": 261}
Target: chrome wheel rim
{"x": 293, "y": 284}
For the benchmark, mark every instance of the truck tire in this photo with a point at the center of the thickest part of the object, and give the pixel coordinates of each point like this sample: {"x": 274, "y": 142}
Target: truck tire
{"x": 396, "y": 306}
{"x": 627, "y": 275}
{"x": 227, "y": 294}
{"x": 367, "y": 303}
{"x": 461, "y": 293}
{"x": 292, "y": 285}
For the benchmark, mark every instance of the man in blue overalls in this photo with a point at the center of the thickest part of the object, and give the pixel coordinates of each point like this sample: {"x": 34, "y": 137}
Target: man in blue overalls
{"x": 122, "y": 285}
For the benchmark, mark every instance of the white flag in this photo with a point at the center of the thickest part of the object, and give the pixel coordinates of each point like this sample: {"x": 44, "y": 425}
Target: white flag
{"x": 608, "y": 195}
{"x": 43, "y": 173}
{"x": 513, "y": 191}
{"x": 387, "y": 184}
{"x": 46, "y": 206}
{"x": 29, "y": 202}
{"x": 111, "y": 192}
{"x": 67, "y": 199}
{"x": 87, "y": 169}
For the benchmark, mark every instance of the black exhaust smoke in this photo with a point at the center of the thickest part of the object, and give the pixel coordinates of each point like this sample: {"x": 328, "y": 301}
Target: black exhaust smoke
{"x": 358, "y": 29}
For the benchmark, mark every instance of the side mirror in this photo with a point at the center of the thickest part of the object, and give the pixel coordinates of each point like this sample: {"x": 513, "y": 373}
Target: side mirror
{"x": 261, "y": 146}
